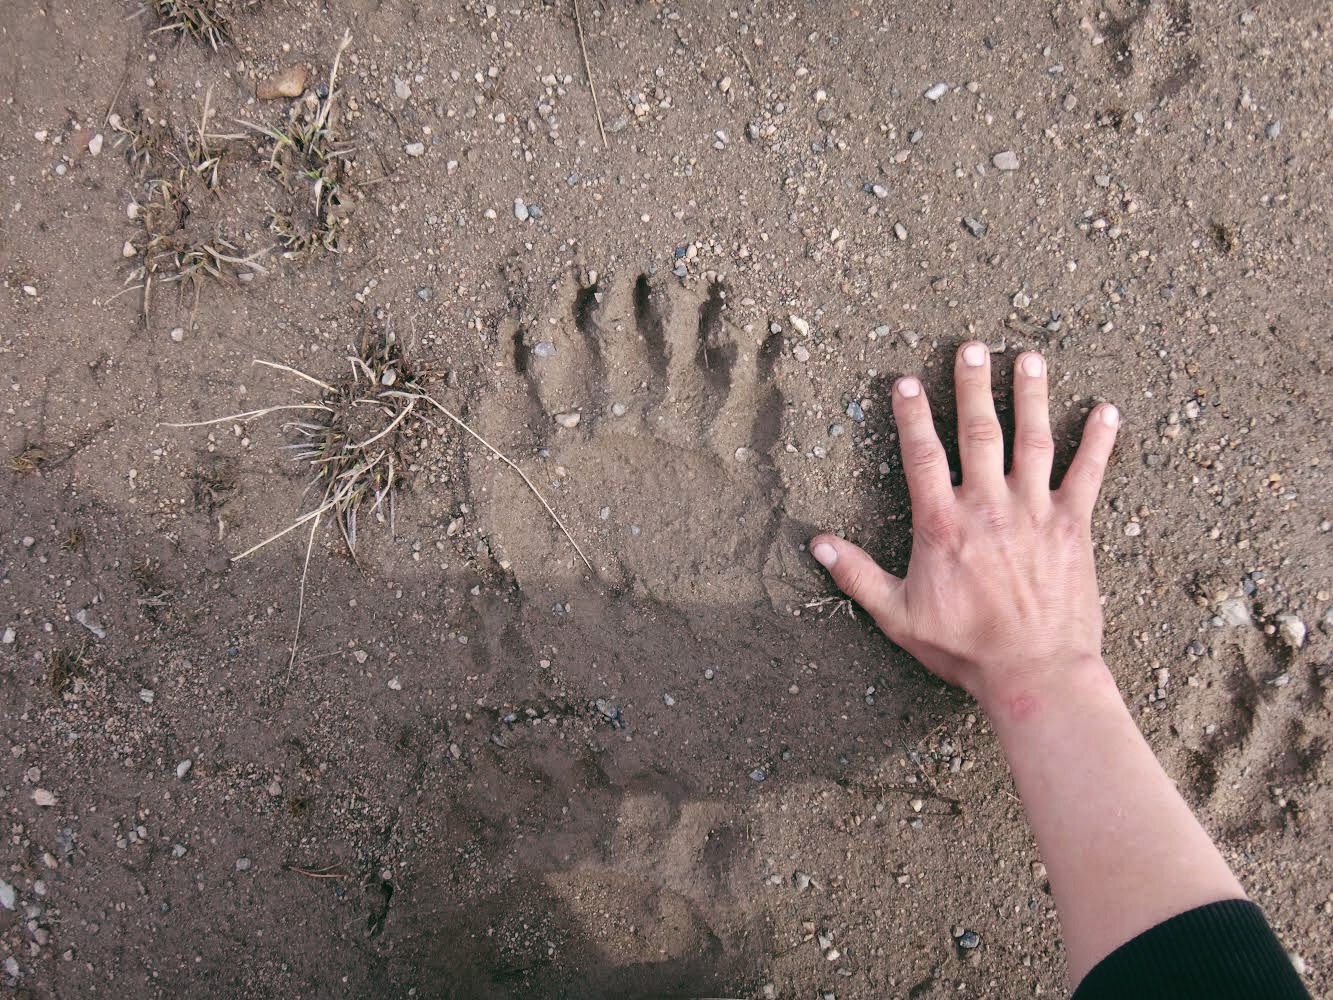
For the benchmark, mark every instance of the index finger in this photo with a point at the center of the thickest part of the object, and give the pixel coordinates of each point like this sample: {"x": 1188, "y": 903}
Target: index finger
{"x": 924, "y": 461}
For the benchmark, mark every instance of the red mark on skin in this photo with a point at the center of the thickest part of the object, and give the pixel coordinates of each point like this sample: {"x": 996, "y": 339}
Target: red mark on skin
{"x": 1023, "y": 706}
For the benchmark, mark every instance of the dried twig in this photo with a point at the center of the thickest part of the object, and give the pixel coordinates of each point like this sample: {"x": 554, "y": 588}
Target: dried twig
{"x": 592, "y": 88}
{"x": 507, "y": 461}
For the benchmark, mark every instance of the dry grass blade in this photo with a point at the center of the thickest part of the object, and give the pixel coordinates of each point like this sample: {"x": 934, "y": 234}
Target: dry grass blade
{"x": 587, "y": 71}
{"x": 292, "y": 371}
{"x": 251, "y": 414}
{"x": 509, "y": 462}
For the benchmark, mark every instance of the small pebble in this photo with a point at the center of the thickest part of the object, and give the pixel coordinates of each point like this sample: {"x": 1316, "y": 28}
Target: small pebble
{"x": 1291, "y": 630}
{"x": 1006, "y": 160}
{"x": 568, "y": 420}
{"x": 183, "y": 768}
{"x": 178, "y": 334}
{"x": 242, "y": 864}
{"x": 415, "y": 149}
{"x": 43, "y": 798}
{"x": 855, "y": 412}
{"x": 900, "y": 231}
{"x": 937, "y": 91}
{"x": 289, "y": 83}
{"x": 1273, "y": 130}
{"x": 8, "y": 895}
{"x": 974, "y": 226}
{"x": 800, "y": 325}
{"x": 800, "y": 353}
{"x": 969, "y": 940}
{"x": 1233, "y": 611}
{"x": 95, "y": 144}
{"x": 8, "y": 637}
{"x": 520, "y": 210}
{"x": 401, "y": 89}
{"x": 758, "y": 774}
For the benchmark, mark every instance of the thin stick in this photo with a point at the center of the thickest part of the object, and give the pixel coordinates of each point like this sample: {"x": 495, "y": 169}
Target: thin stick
{"x": 252, "y": 414}
{"x": 331, "y": 872}
{"x": 592, "y": 89}
{"x": 300, "y": 600}
{"x": 292, "y": 371}
{"x": 504, "y": 458}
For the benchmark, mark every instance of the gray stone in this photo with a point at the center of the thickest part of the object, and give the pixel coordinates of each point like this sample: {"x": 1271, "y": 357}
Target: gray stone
{"x": 1233, "y": 611}
{"x": 974, "y": 226}
{"x": 1006, "y": 160}
{"x": 936, "y": 91}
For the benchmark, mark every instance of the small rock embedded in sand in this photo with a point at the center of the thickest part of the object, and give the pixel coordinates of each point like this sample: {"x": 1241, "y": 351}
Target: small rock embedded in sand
{"x": 1233, "y": 611}
{"x": 44, "y": 798}
{"x": 8, "y": 637}
{"x": 401, "y": 89}
{"x": 568, "y": 420}
{"x": 800, "y": 325}
{"x": 183, "y": 768}
{"x": 937, "y": 91}
{"x": 7, "y": 895}
{"x": 86, "y": 620}
{"x": 289, "y": 83}
{"x": 95, "y": 144}
{"x": 1006, "y": 160}
{"x": 974, "y": 226}
{"x": 415, "y": 149}
{"x": 800, "y": 353}
{"x": 242, "y": 864}
{"x": 520, "y": 210}
{"x": 127, "y": 251}
{"x": 1291, "y": 630}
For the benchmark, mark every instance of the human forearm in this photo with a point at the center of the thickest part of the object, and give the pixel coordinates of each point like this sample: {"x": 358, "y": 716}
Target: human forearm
{"x": 1123, "y": 850}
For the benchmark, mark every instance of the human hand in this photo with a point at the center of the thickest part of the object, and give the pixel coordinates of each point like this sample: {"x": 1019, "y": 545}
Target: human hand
{"x": 1000, "y": 592}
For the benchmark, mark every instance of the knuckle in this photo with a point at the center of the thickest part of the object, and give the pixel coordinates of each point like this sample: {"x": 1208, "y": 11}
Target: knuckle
{"x": 994, "y": 516}
{"x": 981, "y": 430}
{"x": 937, "y": 523}
{"x": 923, "y": 455}
{"x": 1035, "y": 440}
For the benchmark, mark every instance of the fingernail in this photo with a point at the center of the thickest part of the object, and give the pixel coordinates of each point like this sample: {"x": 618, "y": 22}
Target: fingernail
{"x": 825, "y": 554}
{"x": 909, "y": 387}
{"x": 1110, "y": 416}
{"x": 974, "y": 355}
{"x": 1033, "y": 366}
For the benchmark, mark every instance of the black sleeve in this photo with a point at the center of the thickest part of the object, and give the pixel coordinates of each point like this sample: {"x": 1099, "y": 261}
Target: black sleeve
{"x": 1222, "y": 951}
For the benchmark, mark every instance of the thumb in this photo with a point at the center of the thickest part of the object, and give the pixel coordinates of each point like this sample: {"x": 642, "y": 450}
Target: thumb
{"x": 859, "y": 577}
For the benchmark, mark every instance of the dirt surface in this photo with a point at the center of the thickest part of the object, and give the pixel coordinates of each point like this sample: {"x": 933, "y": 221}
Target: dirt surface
{"x": 489, "y": 770}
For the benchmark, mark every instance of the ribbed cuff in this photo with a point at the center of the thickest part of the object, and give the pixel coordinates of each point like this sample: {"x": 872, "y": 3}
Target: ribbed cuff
{"x": 1222, "y": 951}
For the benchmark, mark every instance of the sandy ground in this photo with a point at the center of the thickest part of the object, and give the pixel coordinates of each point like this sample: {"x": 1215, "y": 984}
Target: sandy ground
{"x": 681, "y": 768}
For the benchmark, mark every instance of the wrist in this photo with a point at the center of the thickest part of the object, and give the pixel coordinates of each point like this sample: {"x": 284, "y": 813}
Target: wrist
{"x": 1042, "y": 688}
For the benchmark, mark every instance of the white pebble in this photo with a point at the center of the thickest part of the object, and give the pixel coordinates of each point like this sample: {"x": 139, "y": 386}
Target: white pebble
{"x": 415, "y": 149}
{"x": 937, "y": 91}
{"x": 568, "y": 420}
{"x": 95, "y": 144}
{"x": 1006, "y": 160}
{"x": 183, "y": 768}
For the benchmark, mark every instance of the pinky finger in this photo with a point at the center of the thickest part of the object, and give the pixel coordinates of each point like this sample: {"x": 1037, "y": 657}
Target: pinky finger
{"x": 1084, "y": 479}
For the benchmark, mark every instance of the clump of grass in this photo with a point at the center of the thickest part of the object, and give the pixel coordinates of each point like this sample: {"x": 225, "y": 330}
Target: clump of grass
{"x": 63, "y": 665}
{"x": 177, "y": 243}
{"x": 205, "y": 20}
{"x": 308, "y": 160}
{"x": 352, "y": 439}
{"x": 28, "y": 462}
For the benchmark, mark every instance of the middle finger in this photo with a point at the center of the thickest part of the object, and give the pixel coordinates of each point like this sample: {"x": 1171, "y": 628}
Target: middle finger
{"x": 980, "y": 440}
